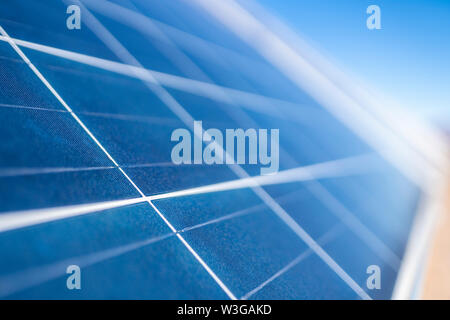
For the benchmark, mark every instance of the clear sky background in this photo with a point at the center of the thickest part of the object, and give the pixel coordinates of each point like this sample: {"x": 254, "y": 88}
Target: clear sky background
{"x": 408, "y": 59}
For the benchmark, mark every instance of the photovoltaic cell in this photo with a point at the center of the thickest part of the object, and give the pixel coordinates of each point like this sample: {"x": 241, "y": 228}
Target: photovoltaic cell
{"x": 48, "y": 159}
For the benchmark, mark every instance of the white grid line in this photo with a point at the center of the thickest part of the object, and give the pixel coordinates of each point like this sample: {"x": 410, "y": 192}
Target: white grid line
{"x": 252, "y": 101}
{"x": 336, "y": 168}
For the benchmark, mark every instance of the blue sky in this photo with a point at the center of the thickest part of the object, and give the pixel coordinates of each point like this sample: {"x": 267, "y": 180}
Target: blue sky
{"x": 408, "y": 59}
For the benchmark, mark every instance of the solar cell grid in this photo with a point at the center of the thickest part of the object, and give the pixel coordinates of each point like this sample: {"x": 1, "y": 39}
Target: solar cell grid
{"x": 79, "y": 134}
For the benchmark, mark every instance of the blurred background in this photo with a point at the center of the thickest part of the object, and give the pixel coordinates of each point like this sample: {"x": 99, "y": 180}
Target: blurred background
{"x": 407, "y": 59}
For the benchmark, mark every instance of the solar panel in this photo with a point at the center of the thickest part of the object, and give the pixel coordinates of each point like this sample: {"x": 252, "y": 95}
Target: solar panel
{"x": 86, "y": 176}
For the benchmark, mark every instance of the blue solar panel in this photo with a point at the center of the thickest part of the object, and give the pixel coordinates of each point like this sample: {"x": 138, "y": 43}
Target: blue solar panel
{"x": 303, "y": 238}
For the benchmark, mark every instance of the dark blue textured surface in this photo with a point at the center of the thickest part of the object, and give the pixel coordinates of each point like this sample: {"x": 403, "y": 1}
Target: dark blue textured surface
{"x": 129, "y": 252}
